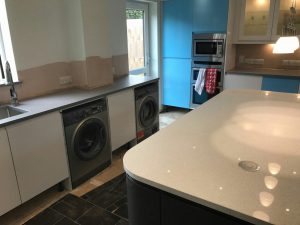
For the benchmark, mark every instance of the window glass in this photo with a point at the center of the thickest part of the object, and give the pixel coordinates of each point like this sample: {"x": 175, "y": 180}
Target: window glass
{"x": 137, "y": 39}
{"x": 256, "y": 17}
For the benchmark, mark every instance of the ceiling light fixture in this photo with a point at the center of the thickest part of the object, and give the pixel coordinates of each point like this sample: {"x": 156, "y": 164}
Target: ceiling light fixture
{"x": 289, "y": 42}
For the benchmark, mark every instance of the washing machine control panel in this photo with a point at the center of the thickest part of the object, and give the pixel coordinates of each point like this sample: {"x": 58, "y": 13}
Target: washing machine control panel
{"x": 79, "y": 113}
{"x": 92, "y": 110}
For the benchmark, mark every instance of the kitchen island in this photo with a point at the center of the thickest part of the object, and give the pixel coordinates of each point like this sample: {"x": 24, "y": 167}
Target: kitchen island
{"x": 234, "y": 160}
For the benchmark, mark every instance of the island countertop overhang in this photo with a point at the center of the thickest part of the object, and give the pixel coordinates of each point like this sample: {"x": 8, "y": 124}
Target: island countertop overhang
{"x": 197, "y": 157}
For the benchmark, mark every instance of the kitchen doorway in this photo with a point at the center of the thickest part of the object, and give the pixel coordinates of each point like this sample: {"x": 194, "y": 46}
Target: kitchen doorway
{"x": 137, "y": 38}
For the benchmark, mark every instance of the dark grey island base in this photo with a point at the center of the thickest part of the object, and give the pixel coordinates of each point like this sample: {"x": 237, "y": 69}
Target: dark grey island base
{"x": 151, "y": 206}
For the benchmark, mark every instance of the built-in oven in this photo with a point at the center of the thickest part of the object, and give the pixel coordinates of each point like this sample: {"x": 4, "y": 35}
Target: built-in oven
{"x": 211, "y": 46}
{"x": 197, "y": 99}
{"x": 219, "y": 71}
{"x": 208, "y": 52}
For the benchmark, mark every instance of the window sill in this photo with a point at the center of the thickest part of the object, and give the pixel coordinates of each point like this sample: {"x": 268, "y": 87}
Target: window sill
{"x": 6, "y": 84}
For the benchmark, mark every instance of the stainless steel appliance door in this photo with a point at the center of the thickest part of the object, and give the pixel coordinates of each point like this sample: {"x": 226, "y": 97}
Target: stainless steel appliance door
{"x": 208, "y": 48}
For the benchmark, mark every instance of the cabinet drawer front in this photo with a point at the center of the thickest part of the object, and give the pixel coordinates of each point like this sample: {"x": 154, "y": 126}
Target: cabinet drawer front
{"x": 9, "y": 192}
{"x": 39, "y": 153}
{"x": 176, "y": 82}
{"x": 281, "y": 84}
{"x": 121, "y": 107}
{"x": 235, "y": 81}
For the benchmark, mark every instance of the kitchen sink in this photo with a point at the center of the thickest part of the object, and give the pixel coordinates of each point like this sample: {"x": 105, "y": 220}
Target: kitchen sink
{"x": 9, "y": 111}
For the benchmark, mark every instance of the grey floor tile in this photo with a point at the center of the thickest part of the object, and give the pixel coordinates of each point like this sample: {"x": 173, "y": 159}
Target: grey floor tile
{"x": 47, "y": 217}
{"x": 122, "y": 211}
{"x": 72, "y": 206}
{"x": 66, "y": 221}
{"x": 122, "y": 222}
{"x": 98, "y": 216}
{"x": 105, "y": 199}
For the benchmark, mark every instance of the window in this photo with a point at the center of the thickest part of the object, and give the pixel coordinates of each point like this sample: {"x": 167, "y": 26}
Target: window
{"x": 6, "y": 50}
{"x": 137, "y": 36}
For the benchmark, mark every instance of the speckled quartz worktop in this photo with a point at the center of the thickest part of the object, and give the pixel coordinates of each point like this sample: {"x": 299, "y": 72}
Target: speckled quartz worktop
{"x": 68, "y": 98}
{"x": 197, "y": 156}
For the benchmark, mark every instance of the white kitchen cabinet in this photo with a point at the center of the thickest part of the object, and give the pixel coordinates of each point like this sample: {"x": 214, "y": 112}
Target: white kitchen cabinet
{"x": 9, "y": 192}
{"x": 256, "y": 18}
{"x": 122, "y": 117}
{"x": 261, "y": 21}
{"x": 236, "y": 81}
{"x": 39, "y": 153}
{"x": 281, "y": 16}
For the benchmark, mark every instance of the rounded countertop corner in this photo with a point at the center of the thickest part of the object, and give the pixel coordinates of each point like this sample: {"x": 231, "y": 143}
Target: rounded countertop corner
{"x": 198, "y": 156}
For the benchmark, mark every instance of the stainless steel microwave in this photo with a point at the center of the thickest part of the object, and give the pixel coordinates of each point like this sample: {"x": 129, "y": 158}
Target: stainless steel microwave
{"x": 211, "y": 46}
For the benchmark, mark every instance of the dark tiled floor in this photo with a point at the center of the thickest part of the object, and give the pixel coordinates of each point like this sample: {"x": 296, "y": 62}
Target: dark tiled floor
{"x": 105, "y": 205}
{"x": 47, "y": 217}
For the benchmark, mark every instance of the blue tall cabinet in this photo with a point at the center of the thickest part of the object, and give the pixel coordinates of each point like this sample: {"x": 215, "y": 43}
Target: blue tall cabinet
{"x": 180, "y": 19}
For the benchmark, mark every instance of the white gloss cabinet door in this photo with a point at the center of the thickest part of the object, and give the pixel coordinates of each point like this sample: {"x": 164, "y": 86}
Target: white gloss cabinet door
{"x": 39, "y": 153}
{"x": 235, "y": 81}
{"x": 122, "y": 117}
{"x": 9, "y": 192}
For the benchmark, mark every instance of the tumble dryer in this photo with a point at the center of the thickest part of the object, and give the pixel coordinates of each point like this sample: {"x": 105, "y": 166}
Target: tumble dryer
{"x": 147, "y": 110}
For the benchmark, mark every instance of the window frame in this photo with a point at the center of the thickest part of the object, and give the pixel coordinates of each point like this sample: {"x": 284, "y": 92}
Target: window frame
{"x": 2, "y": 60}
{"x": 6, "y": 48}
{"x": 145, "y": 7}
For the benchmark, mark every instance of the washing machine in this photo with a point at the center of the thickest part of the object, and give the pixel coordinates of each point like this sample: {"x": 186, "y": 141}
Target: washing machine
{"x": 147, "y": 110}
{"x": 87, "y": 140}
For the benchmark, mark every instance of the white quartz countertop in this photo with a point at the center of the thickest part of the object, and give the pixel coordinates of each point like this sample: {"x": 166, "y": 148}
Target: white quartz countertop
{"x": 69, "y": 98}
{"x": 197, "y": 156}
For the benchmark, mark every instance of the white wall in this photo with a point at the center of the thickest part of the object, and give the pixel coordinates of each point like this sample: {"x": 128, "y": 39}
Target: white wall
{"x": 118, "y": 27}
{"x": 45, "y": 32}
{"x": 37, "y": 31}
{"x": 74, "y": 30}
{"x": 154, "y": 38}
{"x": 95, "y": 15}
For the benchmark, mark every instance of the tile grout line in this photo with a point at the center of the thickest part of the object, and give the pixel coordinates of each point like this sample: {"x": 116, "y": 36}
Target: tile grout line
{"x": 83, "y": 214}
{"x": 63, "y": 214}
{"x": 97, "y": 206}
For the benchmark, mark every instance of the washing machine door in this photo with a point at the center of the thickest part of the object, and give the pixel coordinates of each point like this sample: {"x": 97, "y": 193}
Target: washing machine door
{"x": 89, "y": 138}
{"x": 148, "y": 111}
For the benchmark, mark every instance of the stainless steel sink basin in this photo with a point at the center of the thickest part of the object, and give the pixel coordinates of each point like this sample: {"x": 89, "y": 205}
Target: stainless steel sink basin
{"x": 9, "y": 111}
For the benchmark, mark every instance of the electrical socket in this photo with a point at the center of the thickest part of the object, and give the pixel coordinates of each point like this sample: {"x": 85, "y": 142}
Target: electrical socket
{"x": 294, "y": 62}
{"x": 113, "y": 70}
{"x": 291, "y": 62}
{"x": 241, "y": 59}
{"x": 259, "y": 61}
{"x": 65, "y": 80}
{"x": 285, "y": 62}
{"x": 248, "y": 61}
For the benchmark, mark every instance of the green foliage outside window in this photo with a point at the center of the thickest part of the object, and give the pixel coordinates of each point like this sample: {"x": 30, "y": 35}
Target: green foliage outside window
{"x": 134, "y": 14}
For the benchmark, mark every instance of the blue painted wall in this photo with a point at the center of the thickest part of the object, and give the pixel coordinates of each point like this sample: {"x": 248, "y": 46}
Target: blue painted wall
{"x": 280, "y": 84}
{"x": 176, "y": 82}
